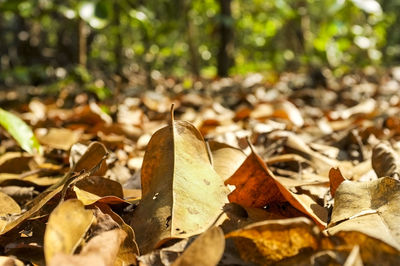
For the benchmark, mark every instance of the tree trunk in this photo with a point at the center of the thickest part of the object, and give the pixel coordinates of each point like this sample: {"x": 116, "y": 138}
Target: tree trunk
{"x": 225, "y": 53}
{"x": 194, "y": 62}
{"x": 118, "y": 42}
{"x": 82, "y": 33}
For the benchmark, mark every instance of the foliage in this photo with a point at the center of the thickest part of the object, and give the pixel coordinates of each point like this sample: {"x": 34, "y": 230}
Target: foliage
{"x": 20, "y": 131}
{"x": 158, "y": 36}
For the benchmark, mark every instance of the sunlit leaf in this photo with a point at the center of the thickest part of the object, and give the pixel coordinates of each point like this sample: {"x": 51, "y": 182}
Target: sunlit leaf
{"x": 66, "y": 228}
{"x": 182, "y": 194}
{"x": 368, "y": 207}
{"x": 20, "y": 131}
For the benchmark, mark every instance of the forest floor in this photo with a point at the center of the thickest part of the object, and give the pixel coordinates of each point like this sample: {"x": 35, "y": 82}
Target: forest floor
{"x": 303, "y": 170}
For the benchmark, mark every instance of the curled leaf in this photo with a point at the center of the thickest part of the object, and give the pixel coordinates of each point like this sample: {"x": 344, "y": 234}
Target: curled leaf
{"x": 385, "y": 161}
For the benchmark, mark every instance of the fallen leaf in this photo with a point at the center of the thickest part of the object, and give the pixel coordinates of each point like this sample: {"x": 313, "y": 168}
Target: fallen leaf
{"x": 100, "y": 250}
{"x": 60, "y": 138}
{"x": 256, "y": 186}
{"x": 206, "y": 250}
{"x": 20, "y": 131}
{"x": 268, "y": 242}
{"x": 365, "y": 107}
{"x": 8, "y": 205}
{"x": 165, "y": 255}
{"x": 385, "y": 161}
{"x": 225, "y": 158}
{"x": 181, "y": 193}
{"x": 368, "y": 207}
{"x": 371, "y": 250}
{"x": 289, "y": 111}
{"x": 129, "y": 248}
{"x": 89, "y": 163}
{"x": 15, "y": 162}
{"x": 66, "y": 228}
{"x": 335, "y": 179}
{"x": 95, "y": 153}
{"x": 97, "y": 187}
{"x": 322, "y": 163}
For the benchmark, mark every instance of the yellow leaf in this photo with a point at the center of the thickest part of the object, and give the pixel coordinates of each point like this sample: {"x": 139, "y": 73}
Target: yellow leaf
{"x": 8, "y": 205}
{"x": 267, "y": 242}
{"x": 60, "y": 138}
{"x": 206, "y": 250}
{"x": 66, "y": 228}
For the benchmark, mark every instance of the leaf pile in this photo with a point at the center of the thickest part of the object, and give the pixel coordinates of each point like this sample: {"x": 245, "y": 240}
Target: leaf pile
{"x": 246, "y": 174}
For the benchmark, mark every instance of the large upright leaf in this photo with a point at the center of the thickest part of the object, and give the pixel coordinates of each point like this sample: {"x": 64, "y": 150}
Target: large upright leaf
{"x": 181, "y": 192}
{"x": 20, "y": 131}
{"x": 368, "y": 207}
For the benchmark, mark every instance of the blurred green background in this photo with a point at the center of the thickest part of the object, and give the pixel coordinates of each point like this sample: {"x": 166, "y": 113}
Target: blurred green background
{"x": 42, "y": 41}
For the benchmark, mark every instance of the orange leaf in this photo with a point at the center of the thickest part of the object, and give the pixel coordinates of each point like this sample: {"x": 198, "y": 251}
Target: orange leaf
{"x": 335, "y": 179}
{"x": 256, "y": 186}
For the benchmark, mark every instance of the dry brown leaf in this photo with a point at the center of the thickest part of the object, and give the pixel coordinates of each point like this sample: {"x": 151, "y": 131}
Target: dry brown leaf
{"x": 225, "y": 158}
{"x": 289, "y": 111}
{"x": 372, "y": 250}
{"x": 101, "y": 250}
{"x": 206, "y": 250}
{"x": 181, "y": 193}
{"x": 335, "y": 179}
{"x": 92, "y": 161}
{"x": 385, "y": 161}
{"x": 368, "y": 207}
{"x": 93, "y": 188}
{"x": 256, "y": 186}
{"x": 95, "y": 153}
{"x": 165, "y": 255}
{"x": 8, "y": 205}
{"x": 322, "y": 163}
{"x": 366, "y": 107}
{"x": 60, "y": 138}
{"x": 66, "y": 228}
{"x": 268, "y": 242}
{"x": 15, "y": 162}
{"x": 129, "y": 248}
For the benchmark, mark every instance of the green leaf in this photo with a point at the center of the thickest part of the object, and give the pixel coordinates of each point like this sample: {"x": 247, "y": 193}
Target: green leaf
{"x": 97, "y": 13}
{"x": 20, "y": 131}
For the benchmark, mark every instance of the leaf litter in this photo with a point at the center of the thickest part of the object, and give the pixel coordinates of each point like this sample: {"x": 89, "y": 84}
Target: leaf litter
{"x": 245, "y": 174}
